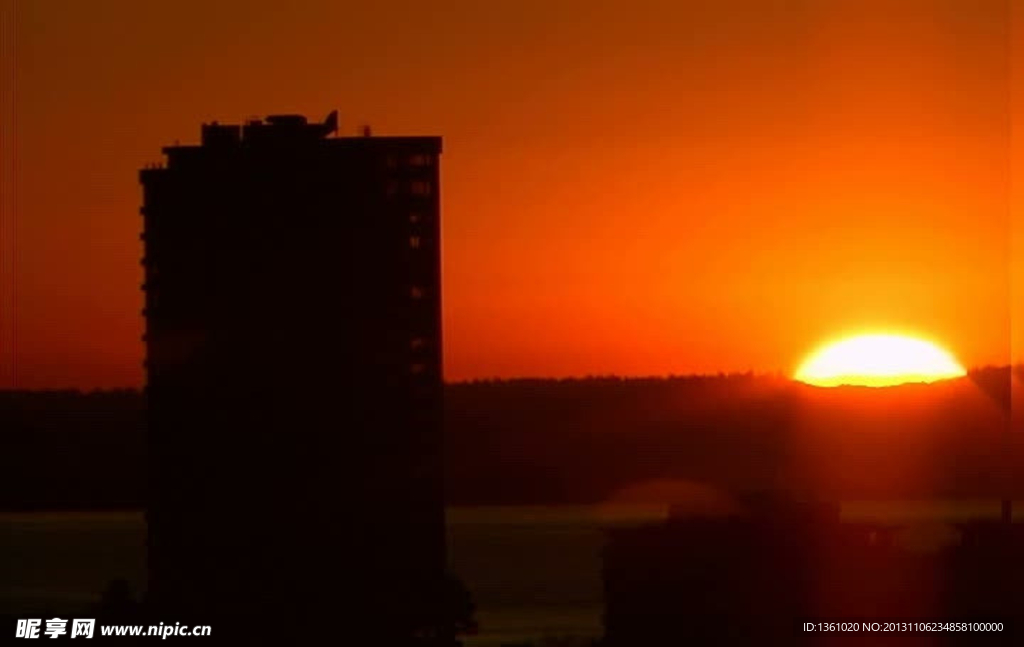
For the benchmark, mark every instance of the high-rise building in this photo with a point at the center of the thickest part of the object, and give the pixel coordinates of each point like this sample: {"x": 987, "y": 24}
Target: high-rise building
{"x": 293, "y": 340}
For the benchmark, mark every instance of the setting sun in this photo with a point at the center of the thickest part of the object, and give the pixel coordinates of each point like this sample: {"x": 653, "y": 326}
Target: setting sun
{"x": 878, "y": 360}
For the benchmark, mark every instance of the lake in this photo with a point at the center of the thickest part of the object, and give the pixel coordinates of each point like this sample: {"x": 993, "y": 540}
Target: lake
{"x": 68, "y": 558}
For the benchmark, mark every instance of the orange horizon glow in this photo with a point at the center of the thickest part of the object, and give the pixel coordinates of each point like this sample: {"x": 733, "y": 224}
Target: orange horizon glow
{"x": 629, "y": 188}
{"x": 879, "y": 360}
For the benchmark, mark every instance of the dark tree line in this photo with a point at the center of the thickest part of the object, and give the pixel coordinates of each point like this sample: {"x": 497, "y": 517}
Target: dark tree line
{"x": 535, "y": 441}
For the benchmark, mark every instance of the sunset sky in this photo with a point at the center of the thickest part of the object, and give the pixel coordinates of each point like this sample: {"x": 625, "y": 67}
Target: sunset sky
{"x": 630, "y": 188}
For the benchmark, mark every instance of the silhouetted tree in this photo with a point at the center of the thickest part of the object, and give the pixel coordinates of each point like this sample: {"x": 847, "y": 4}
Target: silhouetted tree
{"x": 118, "y": 600}
{"x": 448, "y": 614}
{"x": 459, "y": 609}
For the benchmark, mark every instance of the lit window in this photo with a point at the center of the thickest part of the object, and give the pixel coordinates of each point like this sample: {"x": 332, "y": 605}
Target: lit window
{"x": 420, "y": 160}
{"x": 415, "y": 242}
{"x": 419, "y": 187}
{"x": 415, "y": 218}
{"x": 417, "y": 342}
{"x": 416, "y": 292}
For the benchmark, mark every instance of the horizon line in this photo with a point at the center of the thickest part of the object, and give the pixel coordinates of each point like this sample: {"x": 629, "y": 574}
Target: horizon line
{"x": 719, "y": 375}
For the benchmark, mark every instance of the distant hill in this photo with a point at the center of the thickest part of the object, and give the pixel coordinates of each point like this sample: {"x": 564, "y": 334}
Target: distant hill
{"x": 531, "y": 441}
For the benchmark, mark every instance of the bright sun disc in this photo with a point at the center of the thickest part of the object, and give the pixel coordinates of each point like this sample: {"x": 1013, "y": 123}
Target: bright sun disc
{"x": 878, "y": 360}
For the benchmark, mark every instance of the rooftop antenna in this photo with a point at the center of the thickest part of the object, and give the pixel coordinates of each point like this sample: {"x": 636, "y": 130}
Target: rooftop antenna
{"x": 366, "y": 131}
{"x": 330, "y": 124}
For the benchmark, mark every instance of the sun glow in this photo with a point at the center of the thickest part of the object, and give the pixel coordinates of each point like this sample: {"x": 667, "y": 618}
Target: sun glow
{"x": 879, "y": 360}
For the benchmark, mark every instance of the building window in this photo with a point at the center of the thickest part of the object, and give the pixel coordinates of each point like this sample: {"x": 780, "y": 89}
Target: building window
{"x": 415, "y": 242}
{"x": 417, "y": 368}
{"x": 392, "y": 187}
{"x": 420, "y": 187}
{"x": 391, "y": 161}
{"x": 416, "y": 292}
{"x": 417, "y": 343}
{"x": 415, "y": 218}
{"x": 421, "y": 159}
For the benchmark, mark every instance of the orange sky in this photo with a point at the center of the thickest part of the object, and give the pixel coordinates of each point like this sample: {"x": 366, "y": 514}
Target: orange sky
{"x": 632, "y": 188}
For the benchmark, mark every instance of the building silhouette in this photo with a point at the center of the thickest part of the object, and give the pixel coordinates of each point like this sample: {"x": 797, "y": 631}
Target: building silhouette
{"x": 293, "y": 342}
{"x": 759, "y": 576}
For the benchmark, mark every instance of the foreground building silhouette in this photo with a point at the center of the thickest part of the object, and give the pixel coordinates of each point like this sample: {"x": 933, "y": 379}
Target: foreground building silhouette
{"x": 293, "y": 340}
{"x": 756, "y": 578}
